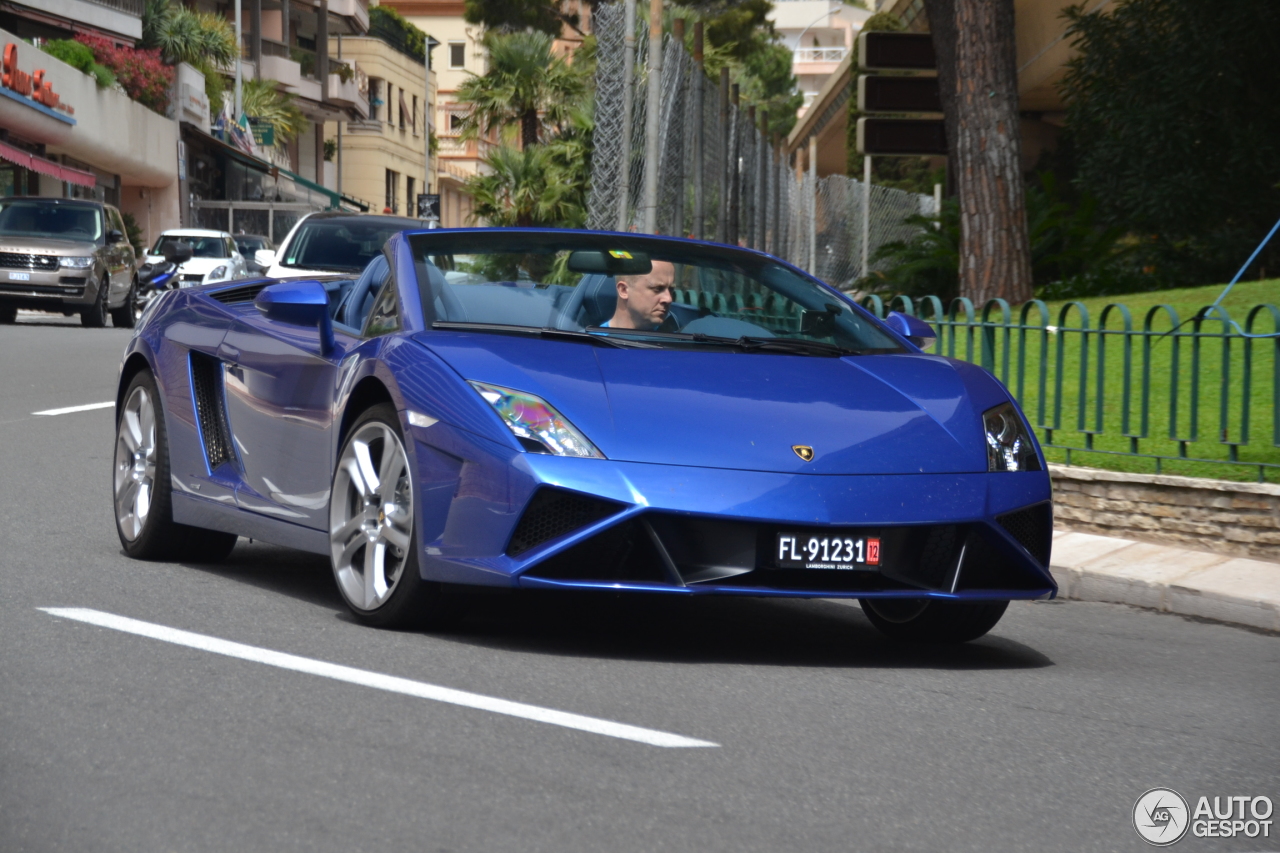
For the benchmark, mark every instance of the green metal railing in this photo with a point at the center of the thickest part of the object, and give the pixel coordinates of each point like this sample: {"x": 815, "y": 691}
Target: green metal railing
{"x": 1170, "y": 391}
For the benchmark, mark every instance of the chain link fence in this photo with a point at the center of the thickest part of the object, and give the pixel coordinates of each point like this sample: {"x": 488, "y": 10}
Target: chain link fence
{"x": 719, "y": 177}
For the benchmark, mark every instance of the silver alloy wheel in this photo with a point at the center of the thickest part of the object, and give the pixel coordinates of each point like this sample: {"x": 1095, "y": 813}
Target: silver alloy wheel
{"x": 135, "y": 468}
{"x": 371, "y": 516}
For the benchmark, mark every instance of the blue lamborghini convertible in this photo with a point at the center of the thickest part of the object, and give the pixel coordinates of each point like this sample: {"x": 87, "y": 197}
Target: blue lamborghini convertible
{"x": 539, "y": 409}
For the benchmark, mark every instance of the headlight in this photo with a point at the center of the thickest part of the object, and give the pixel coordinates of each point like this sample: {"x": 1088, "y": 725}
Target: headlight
{"x": 1009, "y": 447}
{"x": 76, "y": 263}
{"x": 217, "y": 273}
{"x": 538, "y": 426}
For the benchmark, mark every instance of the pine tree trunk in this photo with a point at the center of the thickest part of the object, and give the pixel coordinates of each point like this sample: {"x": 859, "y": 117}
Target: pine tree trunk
{"x": 978, "y": 76}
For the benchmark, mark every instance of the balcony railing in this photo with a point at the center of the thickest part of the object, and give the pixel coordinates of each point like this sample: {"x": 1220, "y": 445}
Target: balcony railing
{"x": 820, "y": 54}
{"x": 129, "y": 7}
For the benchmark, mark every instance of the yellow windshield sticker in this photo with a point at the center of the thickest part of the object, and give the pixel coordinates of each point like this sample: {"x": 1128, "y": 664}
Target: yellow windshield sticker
{"x": 618, "y": 253}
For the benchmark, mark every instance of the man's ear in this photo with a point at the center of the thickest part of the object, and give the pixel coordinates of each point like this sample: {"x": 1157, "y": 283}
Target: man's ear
{"x": 622, "y": 289}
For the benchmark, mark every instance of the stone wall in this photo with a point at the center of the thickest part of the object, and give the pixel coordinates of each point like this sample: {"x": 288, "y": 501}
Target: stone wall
{"x": 1204, "y": 515}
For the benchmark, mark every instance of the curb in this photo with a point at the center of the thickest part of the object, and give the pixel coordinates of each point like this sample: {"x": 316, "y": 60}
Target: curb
{"x": 1171, "y": 580}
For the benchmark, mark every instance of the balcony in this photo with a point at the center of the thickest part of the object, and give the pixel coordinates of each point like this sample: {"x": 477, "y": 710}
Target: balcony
{"x": 356, "y": 11}
{"x": 346, "y": 93}
{"x": 834, "y": 55}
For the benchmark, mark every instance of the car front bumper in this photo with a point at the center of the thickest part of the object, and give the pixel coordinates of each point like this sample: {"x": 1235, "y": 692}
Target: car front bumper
{"x": 48, "y": 290}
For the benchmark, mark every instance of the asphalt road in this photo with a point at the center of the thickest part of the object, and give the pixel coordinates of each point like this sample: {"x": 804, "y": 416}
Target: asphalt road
{"x": 1038, "y": 737}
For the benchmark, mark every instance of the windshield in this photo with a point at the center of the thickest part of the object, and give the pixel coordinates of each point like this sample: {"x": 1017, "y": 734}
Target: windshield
{"x": 343, "y": 245}
{"x": 634, "y": 291}
{"x": 249, "y": 245}
{"x": 50, "y": 219}
{"x": 201, "y": 247}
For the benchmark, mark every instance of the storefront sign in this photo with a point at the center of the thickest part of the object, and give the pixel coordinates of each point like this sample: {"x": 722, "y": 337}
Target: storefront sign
{"x": 33, "y": 85}
{"x": 264, "y": 132}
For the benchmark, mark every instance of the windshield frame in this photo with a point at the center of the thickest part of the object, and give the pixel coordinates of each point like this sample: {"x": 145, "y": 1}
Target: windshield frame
{"x": 747, "y": 262}
{"x": 38, "y": 202}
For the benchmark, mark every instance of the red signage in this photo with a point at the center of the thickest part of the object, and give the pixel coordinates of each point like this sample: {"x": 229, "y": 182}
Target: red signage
{"x": 33, "y": 86}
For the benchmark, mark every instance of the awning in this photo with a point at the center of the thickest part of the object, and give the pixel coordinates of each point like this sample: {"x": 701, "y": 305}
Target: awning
{"x": 47, "y": 167}
{"x": 404, "y": 110}
{"x": 228, "y": 149}
{"x": 334, "y": 198}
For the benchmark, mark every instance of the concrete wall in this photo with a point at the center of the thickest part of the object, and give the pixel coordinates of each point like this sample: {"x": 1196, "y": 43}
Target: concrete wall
{"x": 1242, "y": 519}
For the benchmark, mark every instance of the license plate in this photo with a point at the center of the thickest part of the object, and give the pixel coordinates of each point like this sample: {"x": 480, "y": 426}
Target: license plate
{"x": 19, "y": 276}
{"x": 836, "y": 553}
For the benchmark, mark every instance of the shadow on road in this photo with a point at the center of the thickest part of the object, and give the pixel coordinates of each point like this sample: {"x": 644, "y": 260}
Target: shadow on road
{"x": 659, "y": 628}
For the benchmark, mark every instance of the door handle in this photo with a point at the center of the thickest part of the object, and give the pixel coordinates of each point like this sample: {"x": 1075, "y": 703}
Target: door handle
{"x": 228, "y": 351}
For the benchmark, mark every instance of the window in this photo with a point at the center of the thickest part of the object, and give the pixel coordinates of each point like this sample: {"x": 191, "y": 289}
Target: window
{"x": 393, "y": 185}
{"x": 384, "y": 317}
{"x": 404, "y": 108}
{"x": 410, "y": 200}
{"x": 375, "y": 98}
{"x": 413, "y": 119}
{"x": 457, "y": 54}
{"x": 455, "y": 122}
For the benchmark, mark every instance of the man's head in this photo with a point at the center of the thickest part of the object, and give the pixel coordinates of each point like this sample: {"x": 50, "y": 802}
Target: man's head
{"x": 643, "y": 299}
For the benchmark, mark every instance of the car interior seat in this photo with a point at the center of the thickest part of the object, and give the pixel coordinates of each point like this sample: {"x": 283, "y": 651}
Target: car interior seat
{"x": 599, "y": 299}
{"x": 359, "y": 300}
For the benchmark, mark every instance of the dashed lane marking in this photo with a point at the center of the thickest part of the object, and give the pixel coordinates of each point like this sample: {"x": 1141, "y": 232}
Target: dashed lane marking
{"x": 70, "y": 409}
{"x": 376, "y": 680}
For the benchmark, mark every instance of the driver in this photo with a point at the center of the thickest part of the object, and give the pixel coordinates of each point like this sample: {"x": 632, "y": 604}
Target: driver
{"x": 643, "y": 299}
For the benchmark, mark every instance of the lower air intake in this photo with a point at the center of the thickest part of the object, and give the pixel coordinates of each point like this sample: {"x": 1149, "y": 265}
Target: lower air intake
{"x": 1032, "y": 528}
{"x": 552, "y": 513}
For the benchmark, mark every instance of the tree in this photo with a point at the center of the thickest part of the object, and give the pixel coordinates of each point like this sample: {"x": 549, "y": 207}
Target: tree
{"x": 978, "y": 78}
{"x": 1174, "y": 122}
{"x": 200, "y": 39}
{"x": 515, "y": 15}
{"x": 522, "y": 189}
{"x": 525, "y": 81}
{"x": 266, "y": 103}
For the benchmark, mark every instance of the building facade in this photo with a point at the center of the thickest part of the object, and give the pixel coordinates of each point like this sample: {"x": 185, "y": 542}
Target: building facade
{"x": 385, "y": 159}
{"x": 820, "y": 35}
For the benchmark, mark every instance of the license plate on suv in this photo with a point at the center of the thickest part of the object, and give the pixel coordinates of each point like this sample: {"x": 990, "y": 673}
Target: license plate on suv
{"x": 19, "y": 276}
{"x": 835, "y": 552}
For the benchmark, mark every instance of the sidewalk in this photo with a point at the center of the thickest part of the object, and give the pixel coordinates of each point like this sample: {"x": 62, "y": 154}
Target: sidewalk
{"x": 1173, "y": 580}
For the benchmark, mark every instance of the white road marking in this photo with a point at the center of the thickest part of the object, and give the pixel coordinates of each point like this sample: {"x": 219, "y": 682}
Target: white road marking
{"x": 376, "y": 680}
{"x": 69, "y": 409}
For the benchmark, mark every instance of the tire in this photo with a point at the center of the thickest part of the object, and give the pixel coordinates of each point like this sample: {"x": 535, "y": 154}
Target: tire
{"x": 930, "y": 621}
{"x": 95, "y": 316}
{"x": 8, "y": 314}
{"x": 142, "y": 493}
{"x": 126, "y": 315}
{"x": 373, "y": 552}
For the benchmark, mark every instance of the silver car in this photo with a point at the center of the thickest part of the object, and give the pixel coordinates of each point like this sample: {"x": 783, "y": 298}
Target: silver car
{"x": 66, "y": 255}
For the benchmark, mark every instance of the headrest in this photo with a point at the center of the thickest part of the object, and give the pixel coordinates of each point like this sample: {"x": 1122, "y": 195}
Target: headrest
{"x": 599, "y": 298}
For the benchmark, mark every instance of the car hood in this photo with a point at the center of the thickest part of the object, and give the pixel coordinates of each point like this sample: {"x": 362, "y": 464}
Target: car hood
{"x": 877, "y": 414}
{"x": 195, "y": 266}
{"x": 47, "y": 246}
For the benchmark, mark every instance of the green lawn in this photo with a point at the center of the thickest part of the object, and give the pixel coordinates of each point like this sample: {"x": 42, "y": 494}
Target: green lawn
{"x": 1060, "y": 355}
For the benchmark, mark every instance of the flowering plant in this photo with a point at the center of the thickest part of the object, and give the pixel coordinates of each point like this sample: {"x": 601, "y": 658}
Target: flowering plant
{"x": 140, "y": 72}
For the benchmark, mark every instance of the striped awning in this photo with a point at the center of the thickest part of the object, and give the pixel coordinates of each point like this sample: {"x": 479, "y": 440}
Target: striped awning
{"x": 46, "y": 167}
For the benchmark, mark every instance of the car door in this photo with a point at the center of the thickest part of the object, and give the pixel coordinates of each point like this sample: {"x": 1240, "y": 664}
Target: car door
{"x": 280, "y": 395}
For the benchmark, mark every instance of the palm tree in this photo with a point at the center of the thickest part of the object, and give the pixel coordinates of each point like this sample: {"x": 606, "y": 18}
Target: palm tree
{"x": 524, "y": 79}
{"x": 525, "y": 188}
{"x": 266, "y": 103}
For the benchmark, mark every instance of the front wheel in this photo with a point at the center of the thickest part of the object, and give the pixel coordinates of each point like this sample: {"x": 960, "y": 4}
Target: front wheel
{"x": 372, "y": 543}
{"x": 95, "y": 316}
{"x": 8, "y": 314}
{"x": 925, "y": 620}
{"x": 142, "y": 489}
{"x": 127, "y": 314}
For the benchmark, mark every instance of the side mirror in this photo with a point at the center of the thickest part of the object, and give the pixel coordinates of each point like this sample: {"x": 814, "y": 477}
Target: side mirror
{"x": 299, "y": 303}
{"x": 175, "y": 252}
{"x": 113, "y": 237}
{"x": 264, "y": 258}
{"x": 913, "y": 329}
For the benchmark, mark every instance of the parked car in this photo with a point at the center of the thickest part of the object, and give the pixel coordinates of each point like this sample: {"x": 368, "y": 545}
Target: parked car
{"x": 560, "y": 410}
{"x": 332, "y": 242}
{"x": 66, "y": 255}
{"x": 214, "y": 256}
{"x": 248, "y": 245}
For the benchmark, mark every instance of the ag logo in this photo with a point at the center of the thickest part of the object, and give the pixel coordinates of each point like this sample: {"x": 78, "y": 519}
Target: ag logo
{"x": 1161, "y": 817}
{"x": 804, "y": 451}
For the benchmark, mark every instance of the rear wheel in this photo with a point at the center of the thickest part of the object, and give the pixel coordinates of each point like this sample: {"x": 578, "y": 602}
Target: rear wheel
{"x": 372, "y": 543}
{"x": 925, "y": 620}
{"x": 142, "y": 490}
{"x": 127, "y": 314}
{"x": 95, "y": 316}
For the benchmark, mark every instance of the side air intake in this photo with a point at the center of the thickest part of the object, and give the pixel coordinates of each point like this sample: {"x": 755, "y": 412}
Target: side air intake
{"x": 240, "y": 294}
{"x": 1032, "y": 528}
{"x": 206, "y": 381}
{"x": 554, "y": 512}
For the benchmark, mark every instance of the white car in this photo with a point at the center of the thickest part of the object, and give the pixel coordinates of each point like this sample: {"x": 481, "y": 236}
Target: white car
{"x": 332, "y": 242}
{"x": 214, "y": 256}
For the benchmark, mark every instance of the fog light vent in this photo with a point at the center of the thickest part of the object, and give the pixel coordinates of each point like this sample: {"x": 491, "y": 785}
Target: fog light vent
{"x": 554, "y": 512}
{"x": 1032, "y": 528}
